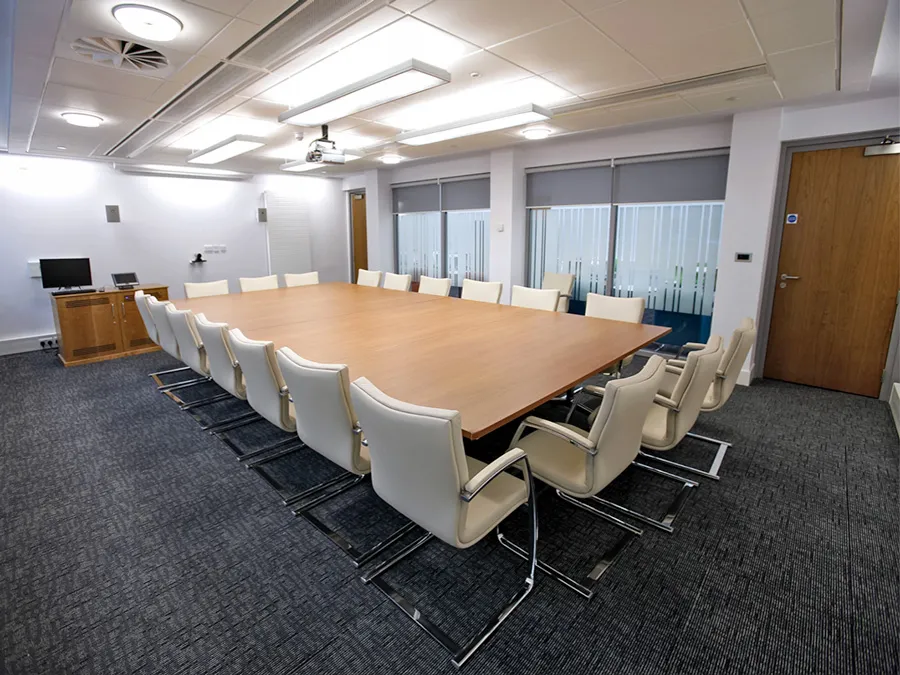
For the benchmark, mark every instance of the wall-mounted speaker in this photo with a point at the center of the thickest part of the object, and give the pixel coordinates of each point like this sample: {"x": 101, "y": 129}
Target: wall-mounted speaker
{"x": 112, "y": 214}
{"x": 262, "y": 215}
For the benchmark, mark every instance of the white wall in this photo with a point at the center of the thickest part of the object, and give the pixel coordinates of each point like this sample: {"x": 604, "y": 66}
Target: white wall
{"x": 55, "y": 208}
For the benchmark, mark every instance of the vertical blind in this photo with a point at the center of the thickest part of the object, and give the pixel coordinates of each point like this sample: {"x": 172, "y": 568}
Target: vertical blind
{"x": 289, "y": 233}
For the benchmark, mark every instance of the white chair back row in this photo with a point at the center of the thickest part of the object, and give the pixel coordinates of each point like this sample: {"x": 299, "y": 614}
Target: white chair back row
{"x": 248, "y": 284}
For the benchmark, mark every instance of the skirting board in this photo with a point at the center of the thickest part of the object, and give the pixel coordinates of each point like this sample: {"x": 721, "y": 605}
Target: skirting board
{"x": 29, "y": 343}
{"x": 895, "y": 405}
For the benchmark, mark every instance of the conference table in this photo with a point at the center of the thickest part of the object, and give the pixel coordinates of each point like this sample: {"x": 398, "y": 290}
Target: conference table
{"x": 492, "y": 363}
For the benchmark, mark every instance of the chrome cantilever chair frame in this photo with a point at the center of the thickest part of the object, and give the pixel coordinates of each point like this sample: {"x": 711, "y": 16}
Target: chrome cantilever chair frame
{"x": 293, "y": 443}
{"x": 462, "y": 653}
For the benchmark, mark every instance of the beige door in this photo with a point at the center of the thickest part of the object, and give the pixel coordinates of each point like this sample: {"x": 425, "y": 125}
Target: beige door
{"x": 838, "y": 271}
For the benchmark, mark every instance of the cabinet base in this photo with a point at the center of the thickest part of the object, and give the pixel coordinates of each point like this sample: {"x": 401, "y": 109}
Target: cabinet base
{"x": 107, "y": 357}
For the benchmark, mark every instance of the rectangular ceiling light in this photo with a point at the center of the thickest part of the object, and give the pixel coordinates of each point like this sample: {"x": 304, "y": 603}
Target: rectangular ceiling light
{"x": 407, "y": 78}
{"x": 179, "y": 171}
{"x": 477, "y": 125}
{"x": 230, "y": 147}
{"x": 302, "y": 165}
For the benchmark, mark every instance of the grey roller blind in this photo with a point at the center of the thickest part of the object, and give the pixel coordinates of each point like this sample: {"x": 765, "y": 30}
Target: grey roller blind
{"x": 417, "y": 198}
{"x": 466, "y": 195}
{"x": 568, "y": 187}
{"x": 691, "y": 179}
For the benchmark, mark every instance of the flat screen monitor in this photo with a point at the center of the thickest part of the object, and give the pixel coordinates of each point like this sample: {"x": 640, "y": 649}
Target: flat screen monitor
{"x": 65, "y": 272}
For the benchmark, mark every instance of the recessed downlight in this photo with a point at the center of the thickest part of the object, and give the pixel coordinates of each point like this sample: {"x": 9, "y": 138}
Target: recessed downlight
{"x": 82, "y": 119}
{"x": 391, "y": 158}
{"x": 536, "y": 133}
{"x": 148, "y": 23}
{"x": 61, "y": 147}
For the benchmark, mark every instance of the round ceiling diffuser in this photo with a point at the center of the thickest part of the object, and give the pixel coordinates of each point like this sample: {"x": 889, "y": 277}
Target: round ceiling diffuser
{"x": 122, "y": 54}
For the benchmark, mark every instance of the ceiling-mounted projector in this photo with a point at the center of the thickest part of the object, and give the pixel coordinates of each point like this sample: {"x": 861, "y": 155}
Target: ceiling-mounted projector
{"x": 324, "y": 151}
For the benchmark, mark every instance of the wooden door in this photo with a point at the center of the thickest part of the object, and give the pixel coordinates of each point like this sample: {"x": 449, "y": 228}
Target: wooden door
{"x": 89, "y": 326}
{"x": 838, "y": 272}
{"x": 360, "y": 241}
{"x": 134, "y": 332}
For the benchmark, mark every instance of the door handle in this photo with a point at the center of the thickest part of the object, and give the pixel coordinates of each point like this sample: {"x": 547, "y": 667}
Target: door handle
{"x": 786, "y": 277}
{"x": 112, "y": 309}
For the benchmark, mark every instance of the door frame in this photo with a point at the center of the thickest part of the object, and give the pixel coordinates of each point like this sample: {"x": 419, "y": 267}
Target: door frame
{"x": 773, "y": 251}
{"x": 351, "y": 269}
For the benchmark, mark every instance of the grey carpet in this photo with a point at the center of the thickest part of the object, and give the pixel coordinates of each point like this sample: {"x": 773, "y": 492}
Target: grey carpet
{"x": 133, "y": 542}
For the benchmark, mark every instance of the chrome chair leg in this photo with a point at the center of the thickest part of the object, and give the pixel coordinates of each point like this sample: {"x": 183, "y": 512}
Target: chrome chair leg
{"x": 578, "y": 406}
{"x": 167, "y": 372}
{"x": 665, "y": 524}
{"x": 259, "y": 461}
{"x": 460, "y": 653}
{"x": 204, "y": 401}
{"x": 712, "y": 472}
{"x": 241, "y": 420}
{"x": 242, "y": 457}
{"x": 605, "y": 562}
{"x": 175, "y": 386}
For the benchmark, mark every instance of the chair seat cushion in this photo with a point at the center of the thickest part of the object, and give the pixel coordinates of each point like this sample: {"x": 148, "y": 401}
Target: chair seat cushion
{"x": 556, "y": 461}
{"x": 655, "y": 434}
{"x": 498, "y": 499}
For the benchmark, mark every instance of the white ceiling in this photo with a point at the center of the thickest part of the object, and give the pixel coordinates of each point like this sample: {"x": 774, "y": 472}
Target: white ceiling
{"x": 562, "y": 54}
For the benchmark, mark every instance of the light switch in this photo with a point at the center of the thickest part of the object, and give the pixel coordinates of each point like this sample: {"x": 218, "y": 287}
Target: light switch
{"x": 499, "y": 227}
{"x": 223, "y": 248}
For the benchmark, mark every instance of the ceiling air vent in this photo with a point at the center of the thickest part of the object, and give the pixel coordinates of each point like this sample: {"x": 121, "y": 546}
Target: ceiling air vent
{"x": 120, "y": 54}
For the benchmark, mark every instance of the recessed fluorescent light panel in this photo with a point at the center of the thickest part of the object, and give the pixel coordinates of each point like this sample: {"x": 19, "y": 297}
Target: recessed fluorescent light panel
{"x": 302, "y": 165}
{"x": 82, "y": 119}
{"x": 478, "y": 125}
{"x": 182, "y": 171}
{"x": 407, "y": 78}
{"x": 148, "y": 23}
{"x": 230, "y": 147}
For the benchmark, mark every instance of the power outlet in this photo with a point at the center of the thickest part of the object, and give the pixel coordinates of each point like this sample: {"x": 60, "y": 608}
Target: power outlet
{"x": 223, "y": 248}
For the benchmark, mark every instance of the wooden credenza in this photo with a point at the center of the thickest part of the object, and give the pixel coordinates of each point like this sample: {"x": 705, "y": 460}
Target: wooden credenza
{"x": 100, "y": 326}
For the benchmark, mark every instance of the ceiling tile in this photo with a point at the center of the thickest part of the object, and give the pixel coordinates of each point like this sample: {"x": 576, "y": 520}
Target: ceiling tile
{"x": 733, "y": 96}
{"x": 578, "y": 56}
{"x": 233, "y": 36}
{"x": 805, "y": 72}
{"x": 585, "y": 6}
{"x": 758, "y": 7}
{"x": 28, "y": 75}
{"x": 229, "y": 7}
{"x": 165, "y": 93}
{"x": 487, "y": 23}
{"x": 678, "y": 57}
{"x": 662, "y": 107}
{"x": 255, "y": 107}
{"x": 263, "y": 12}
{"x": 191, "y": 70}
{"x": 409, "y": 6}
{"x": 99, "y": 102}
{"x": 798, "y": 25}
{"x": 99, "y": 78}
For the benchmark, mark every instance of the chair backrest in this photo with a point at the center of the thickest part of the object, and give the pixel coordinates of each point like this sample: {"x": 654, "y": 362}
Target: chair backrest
{"x": 322, "y": 408}
{"x": 368, "y": 278}
{"x": 163, "y": 328}
{"x": 564, "y": 283}
{"x": 616, "y": 309}
{"x": 397, "y": 282}
{"x": 267, "y": 393}
{"x": 742, "y": 340}
{"x": 693, "y": 384}
{"x": 535, "y": 298}
{"x": 205, "y": 289}
{"x": 223, "y": 366}
{"x": 305, "y": 279}
{"x": 249, "y": 284}
{"x": 140, "y": 299}
{"x": 190, "y": 346}
{"x": 418, "y": 463}
{"x": 482, "y": 291}
{"x": 432, "y": 286}
{"x": 617, "y": 427}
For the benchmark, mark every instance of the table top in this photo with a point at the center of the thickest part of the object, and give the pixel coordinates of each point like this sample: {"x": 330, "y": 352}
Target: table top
{"x": 492, "y": 363}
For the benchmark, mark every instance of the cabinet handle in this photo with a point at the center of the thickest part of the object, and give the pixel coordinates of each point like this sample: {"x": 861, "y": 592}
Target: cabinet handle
{"x": 112, "y": 310}
{"x": 124, "y": 320}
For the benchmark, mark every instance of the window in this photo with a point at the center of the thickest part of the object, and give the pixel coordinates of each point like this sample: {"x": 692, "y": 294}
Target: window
{"x": 442, "y": 229}
{"x": 665, "y": 216}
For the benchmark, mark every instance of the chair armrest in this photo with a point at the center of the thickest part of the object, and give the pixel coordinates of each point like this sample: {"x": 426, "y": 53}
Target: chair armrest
{"x": 674, "y": 370}
{"x": 594, "y": 390}
{"x": 676, "y": 363}
{"x": 557, "y": 430}
{"x": 665, "y": 402}
{"x": 477, "y": 483}
{"x": 689, "y": 346}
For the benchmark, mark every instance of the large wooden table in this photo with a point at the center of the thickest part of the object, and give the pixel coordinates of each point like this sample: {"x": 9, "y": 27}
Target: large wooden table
{"x": 493, "y": 363}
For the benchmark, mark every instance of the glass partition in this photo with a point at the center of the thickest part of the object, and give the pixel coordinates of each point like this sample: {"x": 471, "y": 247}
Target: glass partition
{"x": 419, "y": 248}
{"x": 467, "y": 245}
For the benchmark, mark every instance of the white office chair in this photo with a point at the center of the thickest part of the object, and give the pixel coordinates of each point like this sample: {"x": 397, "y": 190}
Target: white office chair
{"x": 168, "y": 342}
{"x": 535, "y": 298}
{"x": 579, "y": 464}
{"x": 397, "y": 282}
{"x": 205, "y": 289}
{"x": 192, "y": 351}
{"x": 267, "y": 392}
{"x": 249, "y": 284}
{"x": 616, "y": 309}
{"x": 305, "y": 279}
{"x": 432, "y": 286}
{"x": 327, "y": 424}
{"x": 420, "y": 468}
{"x": 140, "y": 299}
{"x": 564, "y": 283}
{"x": 481, "y": 291}
{"x": 368, "y": 278}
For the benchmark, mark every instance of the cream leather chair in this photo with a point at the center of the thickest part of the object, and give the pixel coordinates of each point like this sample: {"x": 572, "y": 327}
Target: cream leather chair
{"x": 368, "y": 278}
{"x": 432, "y": 286}
{"x": 190, "y": 346}
{"x": 420, "y": 468}
{"x": 249, "y": 284}
{"x": 481, "y": 291}
{"x": 616, "y": 309}
{"x": 579, "y": 464}
{"x": 535, "y": 298}
{"x": 205, "y": 289}
{"x": 168, "y": 343}
{"x": 305, "y": 279}
{"x": 140, "y": 299}
{"x": 397, "y": 282}
{"x": 677, "y": 406}
{"x": 327, "y": 424}
{"x": 564, "y": 283}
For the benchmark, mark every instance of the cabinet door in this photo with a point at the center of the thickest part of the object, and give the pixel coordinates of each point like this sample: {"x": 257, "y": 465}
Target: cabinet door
{"x": 134, "y": 332}
{"x": 90, "y": 327}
